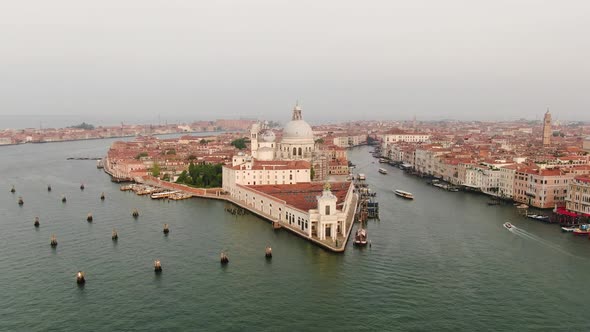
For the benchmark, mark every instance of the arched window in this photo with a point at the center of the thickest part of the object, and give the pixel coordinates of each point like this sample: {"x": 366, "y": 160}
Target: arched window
{"x": 327, "y": 210}
{"x": 300, "y": 151}
{"x": 294, "y": 151}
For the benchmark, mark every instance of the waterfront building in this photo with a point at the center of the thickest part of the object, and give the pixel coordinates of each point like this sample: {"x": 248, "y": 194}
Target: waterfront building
{"x": 348, "y": 141}
{"x": 401, "y": 136}
{"x": 317, "y": 211}
{"x": 547, "y": 129}
{"x": 578, "y": 195}
{"x": 541, "y": 188}
{"x": 506, "y": 181}
{"x": 246, "y": 171}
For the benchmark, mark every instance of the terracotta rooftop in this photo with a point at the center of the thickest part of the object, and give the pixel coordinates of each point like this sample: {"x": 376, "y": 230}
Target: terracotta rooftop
{"x": 303, "y": 196}
{"x": 583, "y": 178}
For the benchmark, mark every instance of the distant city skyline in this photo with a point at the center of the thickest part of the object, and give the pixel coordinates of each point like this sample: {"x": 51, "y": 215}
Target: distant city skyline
{"x": 133, "y": 61}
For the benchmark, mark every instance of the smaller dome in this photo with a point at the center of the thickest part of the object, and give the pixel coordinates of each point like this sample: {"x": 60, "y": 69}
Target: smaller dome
{"x": 268, "y": 136}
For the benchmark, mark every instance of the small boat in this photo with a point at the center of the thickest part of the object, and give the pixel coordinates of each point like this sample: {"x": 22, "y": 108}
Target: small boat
{"x": 508, "y": 225}
{"x": 12, "y": 190}
{"x": 157, "y": 266}
{"x": 268, "y": 252}
{"x": 135, "y": 213}
{"x": 82, "y": 186}
{"x": 382, "y": 171}
{"x": 404, "y": 194}
{"x": 382, "y": 160}
{"x": 361, "y": 177}
{"x": 36, "y": 223}
{"x": 20, "y": 201}
{"x": 102, "y": 196}
{"x": 164, "y": 194}
{"x": 453, "y": 189}
{"x": 493, "y": 203}
{"x": 166, "y": 229}
{"x": 360, "y": 238}
{"x": 567, "y": 229}
{"x": 582, "y": 230}
{"x": 542, "y": 218}
{"x": 49, "y": 188}
{"x": 115, "y": 236}
{"x": 532, "y": 216}
{"x": 89, "y": 217}
{"x": 63, "y": 199}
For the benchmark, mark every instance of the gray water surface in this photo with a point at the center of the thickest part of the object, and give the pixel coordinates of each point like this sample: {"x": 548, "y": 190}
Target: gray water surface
{"x": 440, "y": 262}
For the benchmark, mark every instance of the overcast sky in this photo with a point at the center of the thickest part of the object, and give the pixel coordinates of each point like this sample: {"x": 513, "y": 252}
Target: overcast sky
{"x": 195, "y": 59}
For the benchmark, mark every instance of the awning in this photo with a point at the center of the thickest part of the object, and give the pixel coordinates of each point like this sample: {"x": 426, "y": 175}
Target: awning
{"x": 564, "y": 212}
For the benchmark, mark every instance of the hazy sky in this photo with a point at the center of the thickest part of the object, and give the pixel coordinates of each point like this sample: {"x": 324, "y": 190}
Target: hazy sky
{"x": 185, "y": 60}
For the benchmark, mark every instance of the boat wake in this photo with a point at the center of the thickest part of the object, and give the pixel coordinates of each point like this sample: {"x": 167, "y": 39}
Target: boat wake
{"x": 529, "y": 236}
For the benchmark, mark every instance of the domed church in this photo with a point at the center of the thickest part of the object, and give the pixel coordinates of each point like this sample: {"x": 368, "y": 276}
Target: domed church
{"x": 297, "y": 142}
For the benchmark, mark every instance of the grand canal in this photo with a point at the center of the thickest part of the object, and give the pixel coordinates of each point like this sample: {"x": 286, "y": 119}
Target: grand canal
{"x": 440, "y": 262}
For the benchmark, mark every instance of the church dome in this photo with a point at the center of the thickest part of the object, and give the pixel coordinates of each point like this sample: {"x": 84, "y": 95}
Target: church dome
{"x": 297, "y": 129}
{"x": 268, "y": 136}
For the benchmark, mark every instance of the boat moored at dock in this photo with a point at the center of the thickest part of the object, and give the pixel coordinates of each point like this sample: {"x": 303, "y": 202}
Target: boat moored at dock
{"x": 582, "y": 230}
{"x": 164, "y": 194}
{"x": 382, "y": 171}
{"x": 404, "y": 194}
{"x": 360, "y": 238}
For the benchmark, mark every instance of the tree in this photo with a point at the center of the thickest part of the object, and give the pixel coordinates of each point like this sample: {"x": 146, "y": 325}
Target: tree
{"x": 203, "y": 141}
{"x": 171, "y": 151}
{"x": 156, "y": 170}
{"x": 239, "y": 143}
{"x": 312, "y": 173}
{"x": 141, "y": 155}
{"x": 202, "y": 176}
{"x": 319, "y": 141}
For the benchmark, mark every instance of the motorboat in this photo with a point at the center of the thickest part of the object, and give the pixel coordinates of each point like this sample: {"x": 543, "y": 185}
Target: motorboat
{"x": 404, "y": 194}
{"x": 508, "y": 225}
{"x": 567, "y": 229}
{"x": 382, "y": 171}
{"x": 360, "y": 239}
{"x": 582, "y": 230}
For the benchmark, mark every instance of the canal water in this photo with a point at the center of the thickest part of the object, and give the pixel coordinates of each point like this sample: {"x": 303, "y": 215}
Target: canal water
{"x": 440, "y": 262}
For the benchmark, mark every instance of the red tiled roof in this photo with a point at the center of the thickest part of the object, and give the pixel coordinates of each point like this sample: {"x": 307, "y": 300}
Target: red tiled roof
{"x": 303, "y": 196}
